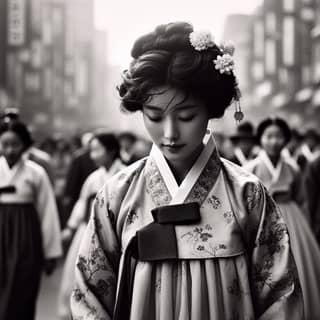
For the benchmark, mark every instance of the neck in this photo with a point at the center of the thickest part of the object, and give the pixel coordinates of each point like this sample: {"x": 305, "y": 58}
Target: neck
{"x": 181, "y": 168}
{"x": 108, "y": 165}
{"x": 274, "y": 159}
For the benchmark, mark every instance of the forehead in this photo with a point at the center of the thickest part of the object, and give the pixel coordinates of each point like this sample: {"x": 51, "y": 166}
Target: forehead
{"x": 273, "y": 128}
{"x": 9, "y": 136}
{"x": 95, "y": 143}
{"x": 165, "y": 98}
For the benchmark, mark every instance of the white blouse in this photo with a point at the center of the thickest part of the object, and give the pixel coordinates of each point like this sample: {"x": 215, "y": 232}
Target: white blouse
{"x": 33, "y": 186}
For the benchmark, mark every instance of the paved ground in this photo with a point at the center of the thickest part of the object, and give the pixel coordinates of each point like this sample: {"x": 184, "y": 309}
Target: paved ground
{"x": 47, "y": 301}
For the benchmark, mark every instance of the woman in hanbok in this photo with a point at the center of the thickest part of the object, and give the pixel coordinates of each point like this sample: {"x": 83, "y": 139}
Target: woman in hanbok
{"x": 184, "y": 234}
{"x": 104, "y": 151}
{"x": 30, "y": 239}
{"x": 282, "y": 178}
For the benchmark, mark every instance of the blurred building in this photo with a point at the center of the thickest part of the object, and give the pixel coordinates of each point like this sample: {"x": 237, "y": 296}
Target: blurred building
{"x": 237, "y": 31}
{"x": 282, "y": 72}
{"x": 51, "y": 63}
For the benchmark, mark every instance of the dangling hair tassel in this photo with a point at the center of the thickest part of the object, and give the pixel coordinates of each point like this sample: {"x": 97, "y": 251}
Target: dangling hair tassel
{"x": 238, "y": 114}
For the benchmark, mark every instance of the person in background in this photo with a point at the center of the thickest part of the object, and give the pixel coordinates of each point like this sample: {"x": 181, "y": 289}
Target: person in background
{"x": 104, "y": 151}
{"x": 282, "y": 178}
{"x": 244, "y": 142}
{"x": 309, "y": 148}
{"x": 33, "y": 153}
{"x": 312, "y": 187}
{"x": 141, "y": 149}
{"x": 127, "y": 140}
{"x": 183, "y": 233}
{"x": 30, "y": 239}
{"x": 80, "y": 167}
{"x": 292, "y": 148}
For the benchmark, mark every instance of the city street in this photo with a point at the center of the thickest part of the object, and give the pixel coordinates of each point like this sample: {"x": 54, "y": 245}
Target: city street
{"x": 47, "y": 301}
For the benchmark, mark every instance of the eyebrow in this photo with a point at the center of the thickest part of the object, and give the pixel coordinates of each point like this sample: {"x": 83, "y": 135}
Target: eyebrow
{"x": 181, "y": 107}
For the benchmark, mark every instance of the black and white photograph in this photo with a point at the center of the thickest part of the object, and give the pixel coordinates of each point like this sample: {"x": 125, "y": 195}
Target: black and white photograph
{"x": 159, "y": 160}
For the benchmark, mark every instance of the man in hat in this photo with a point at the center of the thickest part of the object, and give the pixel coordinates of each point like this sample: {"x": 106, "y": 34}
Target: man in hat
{"x": 244, "y": 142}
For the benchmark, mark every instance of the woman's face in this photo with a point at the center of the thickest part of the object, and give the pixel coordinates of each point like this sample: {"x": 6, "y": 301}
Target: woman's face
{"x": 11, "y": 147}
{"x": 99, "y": 154}
{"x": 176, "y": 124}
{"x": 273, "y": 140}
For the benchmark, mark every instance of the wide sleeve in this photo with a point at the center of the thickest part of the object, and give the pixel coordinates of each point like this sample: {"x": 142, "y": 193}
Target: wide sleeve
{"x": 275, "y": 286}
{"x": 78, "y": 212}
{"x": 49, "y": 218}
{"x": 97, "y": 265}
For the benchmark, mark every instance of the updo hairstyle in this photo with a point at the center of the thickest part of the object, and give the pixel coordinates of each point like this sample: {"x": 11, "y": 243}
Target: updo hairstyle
{"x": 166, "y": 57}
{"x": 19, "y": 128}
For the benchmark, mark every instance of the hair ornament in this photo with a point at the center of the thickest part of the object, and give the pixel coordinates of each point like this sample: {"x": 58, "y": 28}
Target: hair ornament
{"x": 224, "y": 63}
{"x": 238, "y": 114}
{"x": 227, "y": 47}
{"x": 201, "y": 40}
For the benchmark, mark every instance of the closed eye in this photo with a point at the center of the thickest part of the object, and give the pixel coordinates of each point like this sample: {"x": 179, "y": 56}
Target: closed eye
{"x": 153, "y": 118}
{"x": 188, "y": 118}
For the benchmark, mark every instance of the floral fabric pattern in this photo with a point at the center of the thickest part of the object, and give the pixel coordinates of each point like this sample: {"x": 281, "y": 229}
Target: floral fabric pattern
{"x": 216, "y": 276}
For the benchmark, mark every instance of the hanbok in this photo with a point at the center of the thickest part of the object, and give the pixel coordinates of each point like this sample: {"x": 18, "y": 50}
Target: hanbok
{"x": 78, "y": 221}
{"x": 285, "y": 185}
{"x": 234, "y": 263}
{"x": 29, "y": 233}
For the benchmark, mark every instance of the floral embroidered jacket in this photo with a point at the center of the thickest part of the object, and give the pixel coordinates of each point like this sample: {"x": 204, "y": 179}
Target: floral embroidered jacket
{"x": 236, "y": 263}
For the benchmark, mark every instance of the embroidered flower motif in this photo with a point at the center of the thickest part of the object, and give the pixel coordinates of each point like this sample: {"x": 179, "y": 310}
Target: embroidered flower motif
{"x": 201, "y": 40}
{"x": 132, "y": 216}
{"x": 215, "y": 202}
{"x": 224, "y": 63}
{"x": 228, "y": 216}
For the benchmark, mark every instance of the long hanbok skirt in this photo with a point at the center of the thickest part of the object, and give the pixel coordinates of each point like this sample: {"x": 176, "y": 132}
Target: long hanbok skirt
{"x": 68, "y": 275}
{"x": 21, "y": 261}
{"x": 307, "y": 256}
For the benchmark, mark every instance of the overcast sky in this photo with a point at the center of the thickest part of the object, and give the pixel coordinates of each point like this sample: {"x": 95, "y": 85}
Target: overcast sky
{"x": 125, "y": 20}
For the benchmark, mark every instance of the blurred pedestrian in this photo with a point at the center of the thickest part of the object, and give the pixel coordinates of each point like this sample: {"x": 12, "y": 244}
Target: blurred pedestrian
{"x": 141, "y": 149}
{"x": 80, "y": 167}
{"x": 312, "y": 187}
{"x": 33, "y": 153}
{"x": 184, "y": 234}
{"x": 282, "y": 178}
{"x": 127, "y": 140}
{"x": 104, "y": 150}
{"x": 309, "y": 148}
{"x": 30, "y": 239}
{"x": 244, "y": 142}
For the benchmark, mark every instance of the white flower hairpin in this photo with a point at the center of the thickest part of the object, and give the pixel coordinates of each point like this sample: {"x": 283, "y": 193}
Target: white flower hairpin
{"x": 201, "y": 40}
{"x": 224, "y": 63}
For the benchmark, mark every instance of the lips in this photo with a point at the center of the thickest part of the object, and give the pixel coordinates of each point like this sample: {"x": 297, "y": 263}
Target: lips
{"x": 173, "y": 147}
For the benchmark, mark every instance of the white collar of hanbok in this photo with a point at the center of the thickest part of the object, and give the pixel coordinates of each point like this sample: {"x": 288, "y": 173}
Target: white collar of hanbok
{"x": 310, "y": 155}
{"x": 115, "y": 167}
{"x": 173, "y": 193}
{"x": 6, "y": 172}
{"x": 240, "y": 155}
{"x": 274, "y": 171}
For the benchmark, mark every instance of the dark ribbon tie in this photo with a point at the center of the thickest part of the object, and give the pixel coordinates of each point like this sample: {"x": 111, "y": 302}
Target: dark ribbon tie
{"x": 7, "y": 189}
{"x": 155, "y": 242}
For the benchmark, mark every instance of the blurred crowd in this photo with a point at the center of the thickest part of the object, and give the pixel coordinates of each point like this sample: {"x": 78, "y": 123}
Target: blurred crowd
{"x": 78, "y": 166}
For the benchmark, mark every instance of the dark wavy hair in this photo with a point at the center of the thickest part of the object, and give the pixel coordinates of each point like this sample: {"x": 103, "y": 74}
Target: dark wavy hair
{"x": 281, "y": 123}
{"x": 19, "y": 128}
{"x": 166, "y": 57}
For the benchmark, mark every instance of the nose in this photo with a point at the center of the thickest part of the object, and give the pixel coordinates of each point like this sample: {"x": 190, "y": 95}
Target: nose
{"x": 171, "y": 129}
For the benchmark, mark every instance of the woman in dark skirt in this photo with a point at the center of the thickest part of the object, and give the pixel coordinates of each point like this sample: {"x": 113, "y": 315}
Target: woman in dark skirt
{"x": 29, "y": 225}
